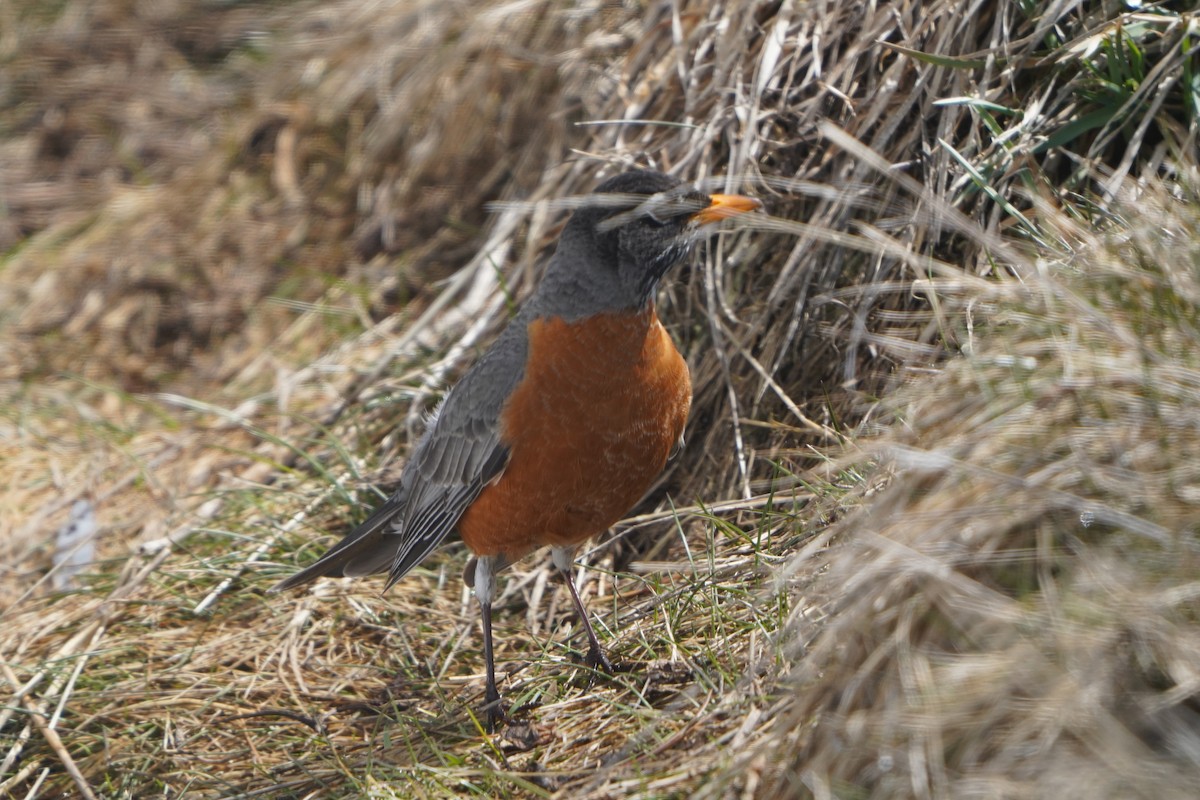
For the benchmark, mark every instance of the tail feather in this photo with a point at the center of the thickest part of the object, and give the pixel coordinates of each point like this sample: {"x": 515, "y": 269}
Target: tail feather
{"x": 363, "y": 551}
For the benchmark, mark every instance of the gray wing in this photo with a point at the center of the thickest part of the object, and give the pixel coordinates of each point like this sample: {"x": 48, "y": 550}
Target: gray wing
{"x": 459, "y": 454}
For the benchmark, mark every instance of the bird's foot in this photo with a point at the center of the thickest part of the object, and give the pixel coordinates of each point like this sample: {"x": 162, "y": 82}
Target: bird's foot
{"x": 493, "y": 709}
{"x": 597, "y": 659}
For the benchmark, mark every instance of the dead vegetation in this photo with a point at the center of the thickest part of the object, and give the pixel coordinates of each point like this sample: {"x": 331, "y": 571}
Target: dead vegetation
{"x": 1014, "y": 615}
{"x": 935, "y": 530}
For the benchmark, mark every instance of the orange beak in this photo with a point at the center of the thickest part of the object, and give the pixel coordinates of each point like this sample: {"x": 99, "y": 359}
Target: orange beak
{"x": 725, "y": 206}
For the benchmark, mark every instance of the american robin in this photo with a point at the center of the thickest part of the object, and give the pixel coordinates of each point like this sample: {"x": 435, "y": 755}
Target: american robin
{"x": 563, "y": 424}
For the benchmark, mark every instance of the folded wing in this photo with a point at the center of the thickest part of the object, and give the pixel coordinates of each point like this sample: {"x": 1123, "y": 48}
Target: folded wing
{"x": 459, "y": 454}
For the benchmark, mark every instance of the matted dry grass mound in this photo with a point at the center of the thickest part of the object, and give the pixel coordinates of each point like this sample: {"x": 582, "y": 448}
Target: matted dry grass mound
{"x": 371, "y": 189}
{"x": 1015, "y": 615}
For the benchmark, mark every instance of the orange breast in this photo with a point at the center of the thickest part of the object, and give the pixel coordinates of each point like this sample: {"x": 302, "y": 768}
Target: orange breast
{"x": 590, "y": 426}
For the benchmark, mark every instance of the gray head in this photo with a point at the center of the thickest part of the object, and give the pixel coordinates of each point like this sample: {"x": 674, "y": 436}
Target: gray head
{"x": 617, "y": 247}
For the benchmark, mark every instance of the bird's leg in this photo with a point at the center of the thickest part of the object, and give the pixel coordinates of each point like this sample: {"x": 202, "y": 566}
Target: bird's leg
{"x": 485, "y": 592}
{"x": 564, "y": 559}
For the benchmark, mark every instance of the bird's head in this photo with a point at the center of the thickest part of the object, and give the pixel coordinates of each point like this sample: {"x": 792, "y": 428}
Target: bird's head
{"x": 632, "y": 229}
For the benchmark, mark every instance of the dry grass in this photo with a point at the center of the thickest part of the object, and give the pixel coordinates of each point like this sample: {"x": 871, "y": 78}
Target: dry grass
{"x": 247, "y": 246}
{"x": 1015, "y": 614}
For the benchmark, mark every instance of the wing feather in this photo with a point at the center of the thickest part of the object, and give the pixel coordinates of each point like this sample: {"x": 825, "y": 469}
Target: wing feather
{"x": 459, "y": 454}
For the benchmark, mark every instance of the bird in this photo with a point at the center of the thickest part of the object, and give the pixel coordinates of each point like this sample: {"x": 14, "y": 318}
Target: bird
{"x": 563, "y": 424}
